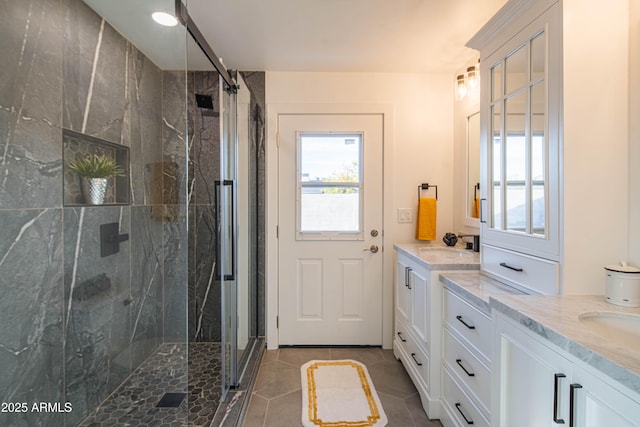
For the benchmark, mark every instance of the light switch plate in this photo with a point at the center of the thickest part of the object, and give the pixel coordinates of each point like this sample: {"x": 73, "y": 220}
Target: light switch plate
{"x": 404, "y": 215}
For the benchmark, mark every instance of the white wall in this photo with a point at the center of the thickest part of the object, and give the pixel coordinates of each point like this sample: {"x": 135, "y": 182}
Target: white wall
{"x": 596, "y": 140}
{"x": 634, "y": 133}
{"x": 422, "y": 135}
{"x": 418, "y": 148}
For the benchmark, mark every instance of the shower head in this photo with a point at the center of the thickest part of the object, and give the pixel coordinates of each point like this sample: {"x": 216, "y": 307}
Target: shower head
{"x": 204, "y": 101}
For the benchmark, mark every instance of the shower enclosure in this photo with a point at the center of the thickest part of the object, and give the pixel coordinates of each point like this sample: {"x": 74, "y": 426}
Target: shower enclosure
{"x": 144, "y": 309}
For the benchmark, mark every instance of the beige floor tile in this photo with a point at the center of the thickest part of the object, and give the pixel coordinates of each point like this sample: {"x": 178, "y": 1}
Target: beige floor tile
{"x": 276, "y": 400}
{"x": 368, "y": 356}
{"x": 419, "y": 417}
{"x": 285, "y": 411}
{"x": 396, "y": 411}
{"x": 277, "y": 378}
{"x": 300, "y": 356}
{"x": 270, "y": 356}
{"x": 391, "y": 378}
{"x": 256, "y": 412}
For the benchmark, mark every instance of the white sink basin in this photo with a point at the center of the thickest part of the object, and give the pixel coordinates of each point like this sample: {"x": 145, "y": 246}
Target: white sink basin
{"x": 446, "y": 253}
{"x": 622, "y": 329}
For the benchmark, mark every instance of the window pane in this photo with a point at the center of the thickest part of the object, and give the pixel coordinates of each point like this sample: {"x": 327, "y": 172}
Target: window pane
{"x": 330, "y": 181}
{"x": 496, "y": 175}
{"x": 330, "y": 158}
{"x": 538, "y": 158}
{"x": 330, "y": 209}
{"x": 516, "y": 163}
{"x": 538, "y": 55}
{"x": 516, "y": 70}
{"x": 496, "y": 82}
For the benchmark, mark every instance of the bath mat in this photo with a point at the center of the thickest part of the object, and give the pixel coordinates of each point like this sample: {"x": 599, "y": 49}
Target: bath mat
{"x": 339, "y": 393}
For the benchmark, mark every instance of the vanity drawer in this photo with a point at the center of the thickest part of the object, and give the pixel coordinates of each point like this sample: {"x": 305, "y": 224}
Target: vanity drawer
{"x": 536, "y": 274}
{"x": 402, "y": 336}
{"x": 468, "y": 322}
{"x": 458, "y": 404}
{"x": 469, "y": 369}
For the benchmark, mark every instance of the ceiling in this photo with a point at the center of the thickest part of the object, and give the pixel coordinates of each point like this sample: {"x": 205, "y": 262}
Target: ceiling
{"x": 409, "y": 36}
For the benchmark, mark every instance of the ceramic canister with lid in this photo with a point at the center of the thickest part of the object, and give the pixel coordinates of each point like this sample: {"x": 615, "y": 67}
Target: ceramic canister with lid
{"x": 622, "y": 285}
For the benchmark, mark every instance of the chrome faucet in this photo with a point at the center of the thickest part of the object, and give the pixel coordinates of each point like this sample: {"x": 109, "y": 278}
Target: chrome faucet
{"x": 476, "y": 241}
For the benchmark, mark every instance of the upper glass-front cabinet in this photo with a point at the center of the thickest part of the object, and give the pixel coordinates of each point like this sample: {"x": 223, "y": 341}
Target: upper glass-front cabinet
{"x": 520, "y": 146}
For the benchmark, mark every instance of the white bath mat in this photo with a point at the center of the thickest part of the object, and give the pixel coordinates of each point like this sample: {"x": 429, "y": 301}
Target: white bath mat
{"x": 339, "y": 393}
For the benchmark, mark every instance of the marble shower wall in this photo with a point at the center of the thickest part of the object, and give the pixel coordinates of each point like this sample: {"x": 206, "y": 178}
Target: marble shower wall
{"x": 74, "y": 324}
{"x": 204, "y": 159}
{"x": 256, "y": 82}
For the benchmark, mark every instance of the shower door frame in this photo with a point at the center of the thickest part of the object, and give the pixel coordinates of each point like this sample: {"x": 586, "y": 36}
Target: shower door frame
{"x": 228, "y": 88}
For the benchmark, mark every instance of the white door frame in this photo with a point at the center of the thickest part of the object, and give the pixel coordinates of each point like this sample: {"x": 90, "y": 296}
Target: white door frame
{"x": 271, "y": 242}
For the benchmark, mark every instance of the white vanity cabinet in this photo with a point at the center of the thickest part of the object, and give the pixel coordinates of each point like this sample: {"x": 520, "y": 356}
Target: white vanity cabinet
{"x": 537, "y": 384}
{"x": 466, "y": 360}
{"x": 418, "y": 314}
{"x": 416, "y": 342}
{"x": 542, "y": 148}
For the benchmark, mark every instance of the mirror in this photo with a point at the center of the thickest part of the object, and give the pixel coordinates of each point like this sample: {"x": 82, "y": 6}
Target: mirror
{"x": 473, "y": 166}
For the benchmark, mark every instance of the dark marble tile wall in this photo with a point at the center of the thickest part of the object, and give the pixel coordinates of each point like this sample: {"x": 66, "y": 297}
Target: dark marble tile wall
{"x": 30, "y": 104}
{"x": 74, "y": 324}
{"x": 255, "y": 81}
{"x": 31, "y": 313}
{"x": 204, "y": 161}
{"x": 175, "y": 193}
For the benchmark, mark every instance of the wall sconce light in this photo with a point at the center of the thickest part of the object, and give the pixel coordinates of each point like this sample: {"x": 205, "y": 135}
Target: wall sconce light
{"x": 467, "y": 81}
{"x": 461, "y": 87}
{"x": 472, "y": 76}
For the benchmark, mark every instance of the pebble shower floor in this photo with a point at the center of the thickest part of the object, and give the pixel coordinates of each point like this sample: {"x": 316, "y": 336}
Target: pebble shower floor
{"x": 134, "y": 402}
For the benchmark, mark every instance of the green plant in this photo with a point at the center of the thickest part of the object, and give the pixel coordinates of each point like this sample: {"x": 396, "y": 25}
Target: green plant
{"x": 95, "y": 166}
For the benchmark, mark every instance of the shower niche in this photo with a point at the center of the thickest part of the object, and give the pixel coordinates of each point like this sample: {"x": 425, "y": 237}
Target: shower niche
{"x": 77, "y": 146}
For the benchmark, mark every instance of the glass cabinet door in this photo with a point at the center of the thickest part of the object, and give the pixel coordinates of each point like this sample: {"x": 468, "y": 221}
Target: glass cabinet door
{"x": 519, "y": 148}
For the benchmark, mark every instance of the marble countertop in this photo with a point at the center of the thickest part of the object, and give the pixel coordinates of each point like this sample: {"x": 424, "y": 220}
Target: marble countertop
{"x": 476, "y": 288}
{"x": 557, "y": 319}
{"x": 437, "y": 256}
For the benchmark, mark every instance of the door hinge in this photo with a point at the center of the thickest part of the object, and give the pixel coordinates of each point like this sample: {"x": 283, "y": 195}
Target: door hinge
{"x": 277, "y": 231}
{"x": 277, "y": 322}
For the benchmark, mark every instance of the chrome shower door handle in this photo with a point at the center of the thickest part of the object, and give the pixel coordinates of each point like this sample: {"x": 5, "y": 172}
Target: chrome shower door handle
{"x": 373, "y": 249}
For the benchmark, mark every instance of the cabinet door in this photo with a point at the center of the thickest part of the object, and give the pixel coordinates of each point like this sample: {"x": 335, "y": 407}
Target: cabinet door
{"x": 596, "y": 403}
{"x": 419, "y": 282}
{"x": 520, "y": 140}
{"x": 531, "y": 381}
{"x": 403, "y": 290}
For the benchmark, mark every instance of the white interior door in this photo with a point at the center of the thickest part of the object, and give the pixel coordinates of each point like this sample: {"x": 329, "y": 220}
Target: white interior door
{"x": 330, "y": 229}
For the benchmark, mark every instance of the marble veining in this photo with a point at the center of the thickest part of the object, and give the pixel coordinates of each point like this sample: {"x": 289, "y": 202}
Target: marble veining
{"x": 31, "y": 308}
{"x": 436, "y": 261}
{"x": 556, "y": 318}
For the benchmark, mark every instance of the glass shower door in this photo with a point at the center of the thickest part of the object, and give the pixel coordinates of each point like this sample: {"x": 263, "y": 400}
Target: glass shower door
{"x": 227, "y": 232}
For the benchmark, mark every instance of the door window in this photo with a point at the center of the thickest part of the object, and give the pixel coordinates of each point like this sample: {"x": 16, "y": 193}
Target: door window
{"x": 329, "y": 178}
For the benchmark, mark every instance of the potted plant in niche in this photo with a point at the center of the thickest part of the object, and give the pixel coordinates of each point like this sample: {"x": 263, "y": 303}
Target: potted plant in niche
{"x": 95, "y": 170}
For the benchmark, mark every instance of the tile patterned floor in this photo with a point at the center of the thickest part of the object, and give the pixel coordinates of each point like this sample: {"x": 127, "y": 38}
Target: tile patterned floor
{"x": 133, "y": 403}
{"x": 276, "y": 400}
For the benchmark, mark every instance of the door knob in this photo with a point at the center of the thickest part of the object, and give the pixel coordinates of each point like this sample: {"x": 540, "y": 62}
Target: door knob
{"x": 373, "y": 249}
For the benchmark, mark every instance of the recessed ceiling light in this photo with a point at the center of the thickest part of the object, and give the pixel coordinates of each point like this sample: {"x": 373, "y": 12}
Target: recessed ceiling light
{"x": 164, "y": 18}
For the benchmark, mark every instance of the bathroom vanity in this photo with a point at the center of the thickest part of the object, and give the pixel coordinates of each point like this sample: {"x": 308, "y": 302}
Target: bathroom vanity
{"x": 418, "y": 313}
{"x": 532, "y": 360}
